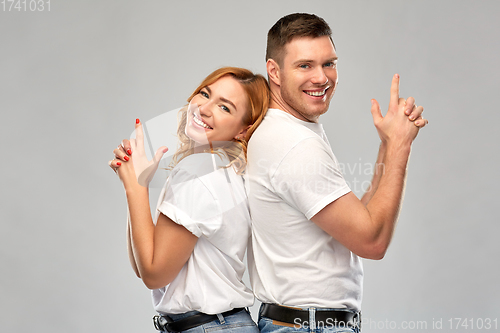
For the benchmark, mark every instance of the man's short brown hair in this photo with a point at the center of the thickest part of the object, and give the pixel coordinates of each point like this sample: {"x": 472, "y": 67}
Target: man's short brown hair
{"x": 291, "y": 26}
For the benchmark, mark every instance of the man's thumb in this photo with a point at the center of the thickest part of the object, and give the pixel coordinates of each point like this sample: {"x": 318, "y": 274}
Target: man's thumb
{"x": 376, "y": 113}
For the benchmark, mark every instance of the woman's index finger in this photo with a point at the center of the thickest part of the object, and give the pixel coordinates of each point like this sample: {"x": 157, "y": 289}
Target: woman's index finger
{"x": 139, "y": 134}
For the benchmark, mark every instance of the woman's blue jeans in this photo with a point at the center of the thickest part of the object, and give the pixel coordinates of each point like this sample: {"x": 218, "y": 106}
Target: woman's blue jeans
{"x": 240, "y": 322}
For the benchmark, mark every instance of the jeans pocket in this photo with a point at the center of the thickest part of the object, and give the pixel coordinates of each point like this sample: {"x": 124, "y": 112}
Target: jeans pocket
{"x": 236, "y": 327}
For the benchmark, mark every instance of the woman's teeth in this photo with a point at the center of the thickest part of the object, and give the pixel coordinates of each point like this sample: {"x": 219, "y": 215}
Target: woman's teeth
{"x": 200, "y": 122}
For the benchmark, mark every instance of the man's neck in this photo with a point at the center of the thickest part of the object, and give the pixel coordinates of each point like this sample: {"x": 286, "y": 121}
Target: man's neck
{"x": 278, "y": 103}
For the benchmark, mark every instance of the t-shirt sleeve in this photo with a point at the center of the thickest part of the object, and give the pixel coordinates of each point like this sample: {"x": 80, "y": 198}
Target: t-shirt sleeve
{"x": 309, "y": 178}
{"x": 190, "y": 203}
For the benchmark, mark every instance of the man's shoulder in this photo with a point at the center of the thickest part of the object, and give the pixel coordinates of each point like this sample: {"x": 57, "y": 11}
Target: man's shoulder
{"x": 279, "y": 135}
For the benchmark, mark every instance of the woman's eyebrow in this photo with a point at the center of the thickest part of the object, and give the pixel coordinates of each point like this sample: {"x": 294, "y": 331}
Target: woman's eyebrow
{"x": 225, "y": 100}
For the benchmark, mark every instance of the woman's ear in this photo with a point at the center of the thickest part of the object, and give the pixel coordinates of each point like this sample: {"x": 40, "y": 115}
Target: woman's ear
{"x": 273, "y": 71}
{"x": 243, "y": 133}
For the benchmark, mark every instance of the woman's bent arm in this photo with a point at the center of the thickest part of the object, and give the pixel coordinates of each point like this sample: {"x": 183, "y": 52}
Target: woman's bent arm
{"x": 160, "y": 251}
{"x": 157, "y": 253}
{"x": 129, "y": 249}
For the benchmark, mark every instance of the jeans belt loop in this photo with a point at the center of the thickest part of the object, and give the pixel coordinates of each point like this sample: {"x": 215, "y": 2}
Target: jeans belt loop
{"x": 221, "y": 319}
{"x": 358, "y": 320}
{"x": 312, "y": 318}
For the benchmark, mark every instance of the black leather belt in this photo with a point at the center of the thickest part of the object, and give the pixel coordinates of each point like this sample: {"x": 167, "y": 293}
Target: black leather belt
{"x": 165, "y": 323}
{"x": 298, "y": 317}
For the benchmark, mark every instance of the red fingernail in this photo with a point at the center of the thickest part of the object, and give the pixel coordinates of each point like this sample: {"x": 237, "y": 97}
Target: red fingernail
{"x": 129, "y": 152}
{"x": 118, "y": 163}
{"x": 126, "y": 158}
{"x": 137, "y": 121}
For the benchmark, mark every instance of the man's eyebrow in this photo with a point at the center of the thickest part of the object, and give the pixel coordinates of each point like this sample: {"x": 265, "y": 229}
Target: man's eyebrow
{"x": 310, "y": 60}
{"x": 225, "y": 100}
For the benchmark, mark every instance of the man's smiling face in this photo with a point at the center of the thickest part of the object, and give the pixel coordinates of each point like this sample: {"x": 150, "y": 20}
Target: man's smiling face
{"x": 308, "y": 76}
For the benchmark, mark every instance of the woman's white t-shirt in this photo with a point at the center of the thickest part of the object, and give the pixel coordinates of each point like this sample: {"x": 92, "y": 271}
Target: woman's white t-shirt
{"x": 209, "y": 201}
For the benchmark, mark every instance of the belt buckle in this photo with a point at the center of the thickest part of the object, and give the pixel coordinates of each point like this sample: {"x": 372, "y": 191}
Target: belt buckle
{"x": 156, "y": 322}
{"x": 160, "y": 323}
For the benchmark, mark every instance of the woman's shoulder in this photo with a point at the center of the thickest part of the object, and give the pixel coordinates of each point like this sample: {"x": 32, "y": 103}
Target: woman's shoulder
{"x": 198, "y": 166}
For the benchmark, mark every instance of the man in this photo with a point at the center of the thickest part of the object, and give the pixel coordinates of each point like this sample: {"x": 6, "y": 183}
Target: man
{"x": 309, "y": 229}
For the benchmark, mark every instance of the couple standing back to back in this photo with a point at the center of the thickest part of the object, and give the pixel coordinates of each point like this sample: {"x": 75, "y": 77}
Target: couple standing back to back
{"x": 308, "y": 229}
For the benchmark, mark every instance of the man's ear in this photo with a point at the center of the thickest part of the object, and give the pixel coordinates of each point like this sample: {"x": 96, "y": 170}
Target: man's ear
{"x": 243, "y": 133}
{"x": 273, "y": 72}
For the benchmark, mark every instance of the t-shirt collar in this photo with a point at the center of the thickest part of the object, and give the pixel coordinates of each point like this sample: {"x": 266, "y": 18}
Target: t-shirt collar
{"x": 315, "y": 127}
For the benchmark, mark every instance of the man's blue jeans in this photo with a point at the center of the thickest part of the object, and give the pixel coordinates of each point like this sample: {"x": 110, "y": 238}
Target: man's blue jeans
{"x": 266, "y": 325}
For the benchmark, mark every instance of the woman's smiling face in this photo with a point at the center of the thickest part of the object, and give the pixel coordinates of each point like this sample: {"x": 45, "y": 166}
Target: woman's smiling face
{"x": 216, "y": 113}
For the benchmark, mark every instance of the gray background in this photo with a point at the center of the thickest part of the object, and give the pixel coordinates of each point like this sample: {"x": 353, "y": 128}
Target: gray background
{"x": 73, "y": 80}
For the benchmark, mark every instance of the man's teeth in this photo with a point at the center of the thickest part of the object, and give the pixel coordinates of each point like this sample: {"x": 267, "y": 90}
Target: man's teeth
{"x": 315, "y": 93}
{"x": 199, "y": 122}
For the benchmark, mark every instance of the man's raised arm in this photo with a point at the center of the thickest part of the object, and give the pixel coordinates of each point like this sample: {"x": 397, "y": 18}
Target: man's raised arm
{"x": 367, "y": 230}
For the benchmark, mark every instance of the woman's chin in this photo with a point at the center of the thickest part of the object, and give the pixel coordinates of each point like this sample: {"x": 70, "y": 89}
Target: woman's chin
{"x": 199, "y": 140}
{"x": 197, "y": 135}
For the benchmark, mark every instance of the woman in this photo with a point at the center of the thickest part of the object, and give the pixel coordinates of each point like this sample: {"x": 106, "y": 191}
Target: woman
{"x": 192, "y": 257}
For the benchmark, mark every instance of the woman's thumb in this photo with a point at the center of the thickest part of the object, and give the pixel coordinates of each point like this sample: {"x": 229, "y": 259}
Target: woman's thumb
{"x": 159, "y": 154}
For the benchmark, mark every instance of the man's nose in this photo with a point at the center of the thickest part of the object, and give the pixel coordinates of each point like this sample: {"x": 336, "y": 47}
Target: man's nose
{"x": 319, "y": 76}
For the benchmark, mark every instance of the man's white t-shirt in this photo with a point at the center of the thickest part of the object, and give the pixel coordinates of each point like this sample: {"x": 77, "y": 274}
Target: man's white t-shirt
{"x": 291, "y": 175}
{"x": 209, "y": 201}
